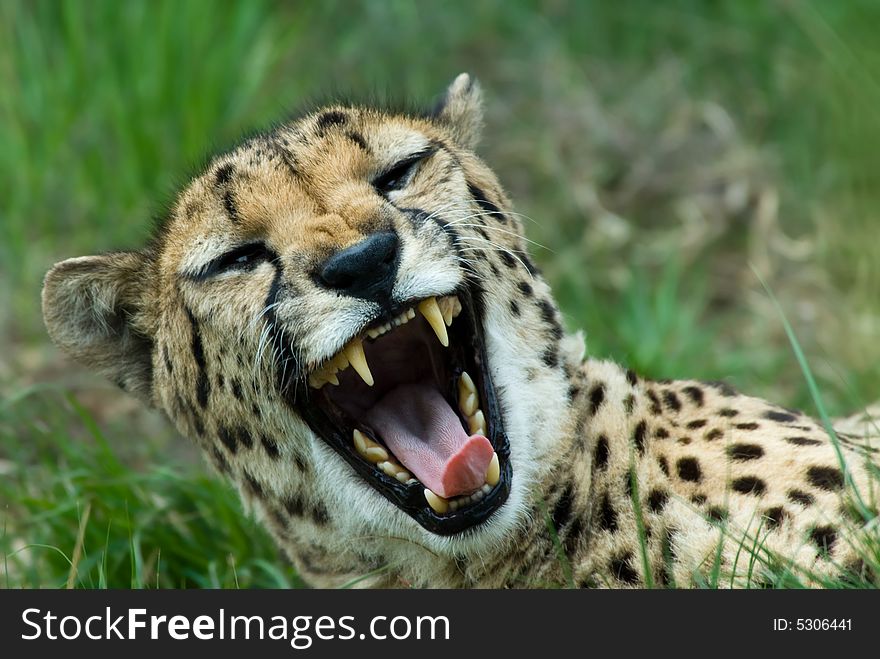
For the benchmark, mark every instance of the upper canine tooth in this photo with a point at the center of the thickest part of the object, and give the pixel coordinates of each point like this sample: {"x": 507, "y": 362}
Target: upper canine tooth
{"x": 493, "y": 474}
{"x": 354, "y": 351}
{"x": 431, "y": 311}
{"x": 438, "y": 503}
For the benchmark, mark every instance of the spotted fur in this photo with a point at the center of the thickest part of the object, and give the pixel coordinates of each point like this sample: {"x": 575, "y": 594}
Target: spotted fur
{"x": 617, "y": 481}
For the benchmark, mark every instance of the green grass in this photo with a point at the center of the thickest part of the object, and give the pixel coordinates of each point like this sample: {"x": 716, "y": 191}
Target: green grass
{"x": 661, "y": 150}
{"x": 76, "y": 515}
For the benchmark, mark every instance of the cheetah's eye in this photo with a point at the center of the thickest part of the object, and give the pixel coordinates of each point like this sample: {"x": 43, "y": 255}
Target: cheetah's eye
{"x": 400, "y": 174}
{"x": 244, "y": 257}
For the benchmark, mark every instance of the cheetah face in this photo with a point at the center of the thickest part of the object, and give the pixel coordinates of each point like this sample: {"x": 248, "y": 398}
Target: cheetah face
{"x": 348, "y": 294}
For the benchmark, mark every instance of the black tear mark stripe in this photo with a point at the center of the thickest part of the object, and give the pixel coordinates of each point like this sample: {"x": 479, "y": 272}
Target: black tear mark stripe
{"x": 203, "y": 384}
{"x": 288, "y": 367}
{"x": 484, "y": 203}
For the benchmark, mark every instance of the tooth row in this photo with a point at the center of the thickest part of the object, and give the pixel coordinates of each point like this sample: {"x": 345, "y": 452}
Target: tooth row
{"x": 441, "y": 506}
{"x": 402, "y": 319}
{"x": 439, "y": 314}
{"x": 468, "y": 403}
{"x": 351, "y": 355}
{"x": 377, "y": 455}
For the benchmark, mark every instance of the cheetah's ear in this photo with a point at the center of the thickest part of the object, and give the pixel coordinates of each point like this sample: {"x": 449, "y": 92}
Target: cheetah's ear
{"x": 461, "y": 109}
{"x": 93, "y": 307}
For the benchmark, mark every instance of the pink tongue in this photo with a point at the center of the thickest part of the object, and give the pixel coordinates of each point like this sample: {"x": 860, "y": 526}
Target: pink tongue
{"x": 424, "y": 433}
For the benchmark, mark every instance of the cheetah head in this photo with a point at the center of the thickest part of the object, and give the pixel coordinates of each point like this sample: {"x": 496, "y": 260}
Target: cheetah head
{"x": 343, "y": 315}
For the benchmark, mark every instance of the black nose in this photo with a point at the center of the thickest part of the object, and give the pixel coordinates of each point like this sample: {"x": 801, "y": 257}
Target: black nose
{"x": 366, "y": 270}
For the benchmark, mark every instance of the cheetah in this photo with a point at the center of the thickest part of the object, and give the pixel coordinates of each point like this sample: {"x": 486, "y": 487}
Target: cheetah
{"x": 343, "y": 315}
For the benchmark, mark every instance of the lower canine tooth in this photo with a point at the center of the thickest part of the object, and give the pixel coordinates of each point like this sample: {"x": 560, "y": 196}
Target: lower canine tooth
{"x": 493, "y": 474}
{"x": 466, "y": 384}
{"x": 431, "y": 312}
{"x": 438, "y": 503}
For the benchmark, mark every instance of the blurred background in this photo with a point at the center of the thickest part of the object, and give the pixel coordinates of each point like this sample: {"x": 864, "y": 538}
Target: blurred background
{"x": 666, "y": 153}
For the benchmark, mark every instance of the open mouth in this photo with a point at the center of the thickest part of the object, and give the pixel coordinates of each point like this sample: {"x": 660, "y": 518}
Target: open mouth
{"x": 410, "y": 405}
